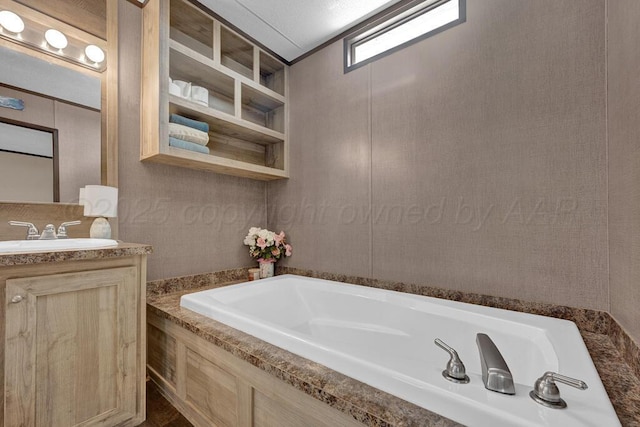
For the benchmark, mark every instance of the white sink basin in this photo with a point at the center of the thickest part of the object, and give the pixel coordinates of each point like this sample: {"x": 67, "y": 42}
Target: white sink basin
{"x": 12, "y": 246}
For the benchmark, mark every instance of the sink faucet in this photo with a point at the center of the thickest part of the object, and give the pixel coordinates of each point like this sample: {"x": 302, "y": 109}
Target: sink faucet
{"x": 32, "y": 230}
{"x": 495, "y": 372}
{"x": 49, "y": 231}
{"x": 62, "y": 230}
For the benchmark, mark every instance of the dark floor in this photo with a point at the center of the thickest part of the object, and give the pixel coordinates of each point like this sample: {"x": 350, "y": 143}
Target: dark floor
{"x": 160, "y": 413}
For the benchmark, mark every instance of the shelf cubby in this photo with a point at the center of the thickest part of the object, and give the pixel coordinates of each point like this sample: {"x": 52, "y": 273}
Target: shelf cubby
{"x": 272, "y": 73}
{"x": 236, "y": 53}
{"x": 185, "y": 65}
{"x": 191, "y": 27}
{"x": 262, "y": 109}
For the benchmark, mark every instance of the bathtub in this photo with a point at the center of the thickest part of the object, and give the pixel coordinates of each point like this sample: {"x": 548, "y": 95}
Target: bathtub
{"x": 385, "y": 339}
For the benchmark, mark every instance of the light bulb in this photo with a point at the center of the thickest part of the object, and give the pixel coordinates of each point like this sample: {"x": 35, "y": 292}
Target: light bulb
{"x": 56, "y": 39}
{"x": 94, "y": 53}
{"x": 11, "y": 22}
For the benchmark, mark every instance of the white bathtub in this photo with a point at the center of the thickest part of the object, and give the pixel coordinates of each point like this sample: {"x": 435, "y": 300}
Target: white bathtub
{"x": 385, "y": 339}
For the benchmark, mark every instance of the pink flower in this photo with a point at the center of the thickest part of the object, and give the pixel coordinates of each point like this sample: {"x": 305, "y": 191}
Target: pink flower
{"x": 279, "y": 238}
{"x": 275, "y": 252}
{"x": 287, "y": 250}
{"x": 261, "y": 243}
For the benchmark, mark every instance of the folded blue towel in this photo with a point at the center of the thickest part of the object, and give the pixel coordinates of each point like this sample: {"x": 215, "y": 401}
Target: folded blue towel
{"x": 186, "y": 145}
{"x": 175, "y": 118}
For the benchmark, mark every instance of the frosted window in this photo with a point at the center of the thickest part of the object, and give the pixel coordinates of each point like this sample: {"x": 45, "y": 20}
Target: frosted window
{"x": 403, "y": 28}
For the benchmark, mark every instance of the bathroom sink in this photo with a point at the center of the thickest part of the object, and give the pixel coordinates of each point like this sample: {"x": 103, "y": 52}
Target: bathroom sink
{"x": 11, "y": 246}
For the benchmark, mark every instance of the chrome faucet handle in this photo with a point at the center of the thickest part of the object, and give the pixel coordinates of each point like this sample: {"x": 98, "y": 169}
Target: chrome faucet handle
{"x": 455, "y": 371}
{"x": 546, "y": 392}
{"x": 62, "y": 230}
{"x": 32, "y": 230}
{"x": 49, "y": 233}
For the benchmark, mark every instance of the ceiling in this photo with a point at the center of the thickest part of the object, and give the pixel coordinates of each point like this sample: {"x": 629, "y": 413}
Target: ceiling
{"x": 292, "y": 28}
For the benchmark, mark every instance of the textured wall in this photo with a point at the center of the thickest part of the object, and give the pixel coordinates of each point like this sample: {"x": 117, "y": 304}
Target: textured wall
{"x": 196, "y": 221}
{"x": 473, "y": 160}
{"x": 624, "y": 162}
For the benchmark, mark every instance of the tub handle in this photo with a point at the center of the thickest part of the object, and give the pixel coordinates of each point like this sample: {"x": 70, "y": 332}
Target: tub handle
{"x": 455, "y": 370}
{"x": 546, "y": 392}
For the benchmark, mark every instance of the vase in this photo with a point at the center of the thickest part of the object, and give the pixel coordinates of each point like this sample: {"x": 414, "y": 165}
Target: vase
{"x": 266, "y": 269}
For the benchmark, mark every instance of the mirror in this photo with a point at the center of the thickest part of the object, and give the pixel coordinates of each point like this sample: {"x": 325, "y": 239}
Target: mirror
{"x": 57, "y": 109}
{"x": 69, "y": 79}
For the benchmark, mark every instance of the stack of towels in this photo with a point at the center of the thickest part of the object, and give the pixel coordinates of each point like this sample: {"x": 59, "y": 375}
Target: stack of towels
{"x": 188, "y": 134}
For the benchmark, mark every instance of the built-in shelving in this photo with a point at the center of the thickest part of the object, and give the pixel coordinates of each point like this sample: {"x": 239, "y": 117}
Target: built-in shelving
{"x": 247, "y": 108}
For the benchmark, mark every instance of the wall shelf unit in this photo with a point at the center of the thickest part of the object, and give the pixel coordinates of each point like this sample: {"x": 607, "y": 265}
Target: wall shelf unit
{"x": 247, "y": 108}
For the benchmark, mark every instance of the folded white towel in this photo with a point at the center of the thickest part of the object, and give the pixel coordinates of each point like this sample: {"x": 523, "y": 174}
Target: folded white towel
{"x": 186, "y": 133}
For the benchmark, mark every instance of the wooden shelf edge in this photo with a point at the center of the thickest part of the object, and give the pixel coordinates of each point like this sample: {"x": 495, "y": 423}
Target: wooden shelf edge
{"x": 207, "y": 162}
{"x": 269, "y": 136}
{"x": 187, "y": 51}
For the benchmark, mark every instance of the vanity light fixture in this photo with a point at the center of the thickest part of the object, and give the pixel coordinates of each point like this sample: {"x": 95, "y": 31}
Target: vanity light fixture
{"x": 56, "y": 39}
{"x": 94, "y": 53}
{"x": 11, "y": 22}
{"x": 35, "y": 30}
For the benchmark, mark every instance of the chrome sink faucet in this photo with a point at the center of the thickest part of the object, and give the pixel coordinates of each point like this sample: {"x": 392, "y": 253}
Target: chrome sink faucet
{"x": 32, "y": 230}
{"x": 49, "y": 232}
{"x": 62, "y": 230}
{"x": 495, "y": 372}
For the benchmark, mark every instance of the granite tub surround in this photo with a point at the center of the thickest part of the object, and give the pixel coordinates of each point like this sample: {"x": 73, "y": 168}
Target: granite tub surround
{"x": 362, "y": 402}
{"x": 619, "y": 379}
{"x": 625, "y": 345}
{"x": 196, "y": 281}
{"x": 122, "y": 250}
{"x": 613, "y": 352}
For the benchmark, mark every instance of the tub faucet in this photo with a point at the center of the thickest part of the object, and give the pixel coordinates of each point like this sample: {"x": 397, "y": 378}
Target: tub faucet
{"x": 455, "y": 371}
{"x": 546, "y": 392}
{"x": 495, "y": 372}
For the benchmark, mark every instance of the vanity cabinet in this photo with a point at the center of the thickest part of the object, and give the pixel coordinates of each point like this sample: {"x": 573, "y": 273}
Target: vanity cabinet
{"x": 247, "y": 104}
{"x": 74, "y": 351}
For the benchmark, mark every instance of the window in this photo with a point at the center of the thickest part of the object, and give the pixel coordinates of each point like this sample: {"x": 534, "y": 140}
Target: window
{"x": 413, "y": 22}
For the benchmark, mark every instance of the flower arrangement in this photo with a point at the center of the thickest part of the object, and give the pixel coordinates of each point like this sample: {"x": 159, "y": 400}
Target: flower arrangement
{"x": 267, "y": 246}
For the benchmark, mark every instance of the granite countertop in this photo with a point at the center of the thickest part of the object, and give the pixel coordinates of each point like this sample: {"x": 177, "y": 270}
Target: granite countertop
{"x": 37, "y": 257}
{"x": 363, "y": 402}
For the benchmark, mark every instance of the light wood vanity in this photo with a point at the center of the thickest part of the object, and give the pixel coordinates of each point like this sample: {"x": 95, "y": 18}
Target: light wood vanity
{"x": 74, "y": 337}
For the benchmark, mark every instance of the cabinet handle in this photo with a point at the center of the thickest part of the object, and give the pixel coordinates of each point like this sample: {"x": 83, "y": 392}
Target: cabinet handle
{"x": 16, "y": 299}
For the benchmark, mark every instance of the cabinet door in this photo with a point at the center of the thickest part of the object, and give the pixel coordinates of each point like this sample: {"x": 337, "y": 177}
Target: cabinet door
{"x": 70, "y": 349}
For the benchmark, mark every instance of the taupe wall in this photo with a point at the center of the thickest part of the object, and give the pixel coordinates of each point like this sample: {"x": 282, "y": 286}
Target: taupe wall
{"x": 474, "y": 160}
{"x": 624, "y": 162}
{"x": 196, "y": 221}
